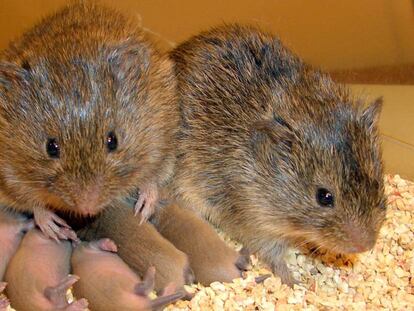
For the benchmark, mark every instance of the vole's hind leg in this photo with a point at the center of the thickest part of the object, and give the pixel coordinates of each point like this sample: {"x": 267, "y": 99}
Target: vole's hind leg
{"x": 147, "y": 285}
{"x": 274, "y": 257}
{"x": 57, "y": 294}
{"x": 52, "y": 225}
{"x": 145, "y": 205}
{"x": 243, "y": 262}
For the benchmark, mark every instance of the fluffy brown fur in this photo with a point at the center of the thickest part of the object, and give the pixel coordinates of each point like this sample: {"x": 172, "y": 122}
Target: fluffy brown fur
{"x": 210, "y": 257}
{"x": 261, "y": 132}
{"x": 140, "y": 246}
{"x": 75, "y": 77}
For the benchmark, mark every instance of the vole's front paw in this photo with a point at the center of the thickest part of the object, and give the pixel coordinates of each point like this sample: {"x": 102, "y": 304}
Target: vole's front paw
{"x": 281, "y": 269}
{"x": 53, "y": 226}
{"x": 147, "y": 285}
{"x": 145, "y": 205}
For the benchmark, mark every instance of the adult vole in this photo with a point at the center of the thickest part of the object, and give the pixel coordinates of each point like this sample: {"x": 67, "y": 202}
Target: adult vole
{"x": 272, "y": 151}
{"x": 86, "y": 116}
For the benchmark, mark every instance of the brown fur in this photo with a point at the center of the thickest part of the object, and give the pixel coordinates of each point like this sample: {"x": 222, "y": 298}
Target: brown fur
{"x": 210, "y": 257}
{"x": 140, "y": 246}
{"x": 260, "y": 132}
{"x": 76, "y": 76}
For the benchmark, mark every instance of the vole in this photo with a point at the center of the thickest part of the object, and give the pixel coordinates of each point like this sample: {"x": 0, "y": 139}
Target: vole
{"x": 140, "y": 245}
{"x": 210, "y": 257}
{"x": 272, "y": 151}
{"x": 109, "y": 284}
{"x": 12, "y": 228}
{"x": 38, "y": 275}
{"x": 86, "y": 116}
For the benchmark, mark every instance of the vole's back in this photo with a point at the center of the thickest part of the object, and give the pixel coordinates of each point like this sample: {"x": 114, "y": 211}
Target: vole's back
{"x": 83, "y": 27}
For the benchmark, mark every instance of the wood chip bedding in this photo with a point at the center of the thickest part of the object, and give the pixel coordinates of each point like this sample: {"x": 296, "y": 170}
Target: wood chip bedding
{"x": 382, "y": 279}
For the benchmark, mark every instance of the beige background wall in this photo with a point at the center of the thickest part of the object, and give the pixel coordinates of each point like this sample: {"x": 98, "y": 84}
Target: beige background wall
{"x": 331, "y": 34}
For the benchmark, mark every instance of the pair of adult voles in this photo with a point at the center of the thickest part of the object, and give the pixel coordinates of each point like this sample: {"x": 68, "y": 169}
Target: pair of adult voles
{"x": 230, "y": 124}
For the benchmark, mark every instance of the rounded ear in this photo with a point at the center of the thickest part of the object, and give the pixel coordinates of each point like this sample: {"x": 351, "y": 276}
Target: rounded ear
{"x": 128, "y": 60}
{"x": 370, "y": 115}
{"x": 271, "y": 135}
{"x": 12, "y": 75}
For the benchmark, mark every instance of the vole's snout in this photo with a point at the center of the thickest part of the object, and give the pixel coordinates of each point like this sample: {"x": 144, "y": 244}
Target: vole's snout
{"x": 87, "y": 202}
{"x": 361, "y": 239}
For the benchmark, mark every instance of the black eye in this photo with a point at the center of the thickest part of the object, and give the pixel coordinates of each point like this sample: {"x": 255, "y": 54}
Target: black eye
{"x": 52, "y": 148}
{"x": 324, "y": 197}
{"x": 111, "y": 141}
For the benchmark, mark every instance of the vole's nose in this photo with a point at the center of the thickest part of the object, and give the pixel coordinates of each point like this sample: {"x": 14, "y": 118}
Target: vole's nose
{"x": 87, "y": 202}
{"x": 361, "y": 239}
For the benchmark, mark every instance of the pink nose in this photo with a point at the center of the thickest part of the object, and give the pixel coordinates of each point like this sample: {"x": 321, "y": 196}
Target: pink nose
{"x": 87, "y": 203}
{"x": 361, "y": 238}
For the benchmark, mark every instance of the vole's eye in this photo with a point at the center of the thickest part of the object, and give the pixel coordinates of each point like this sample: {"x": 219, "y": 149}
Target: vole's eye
{"x": 111, "y": 142}
{"x": 52, "y": 148}
{"x": 324, "y": 197}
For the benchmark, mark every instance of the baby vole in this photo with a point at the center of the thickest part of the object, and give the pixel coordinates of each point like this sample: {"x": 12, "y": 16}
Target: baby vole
{"x": 38, "y": 275}
{"x": 86, "y": 116}
{"x": 109, "y": 284}
{"x": 272, "y": 151}
{"x": 210, "y": 257}
{"x": 12, "y": 228}
{"x": 140, "y": 246}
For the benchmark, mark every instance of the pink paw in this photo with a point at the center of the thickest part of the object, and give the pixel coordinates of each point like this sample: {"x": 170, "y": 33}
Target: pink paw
{"x": 148, "y": 197}
{"x": 53, "y": 226}
{"x": 57, "y": 294}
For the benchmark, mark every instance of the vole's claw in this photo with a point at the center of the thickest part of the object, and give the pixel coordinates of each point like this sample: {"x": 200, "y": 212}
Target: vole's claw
{"x": 53, "y": 226}
{"x": 145, "y": 205}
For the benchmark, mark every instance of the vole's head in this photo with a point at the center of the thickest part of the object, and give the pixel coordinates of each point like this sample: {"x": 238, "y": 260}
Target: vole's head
{"x": 79, "y": 131}
{"x": 323, "y": 160}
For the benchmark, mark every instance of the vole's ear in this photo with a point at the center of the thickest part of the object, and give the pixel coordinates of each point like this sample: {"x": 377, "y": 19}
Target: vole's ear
{"x": 371, "y": 114}
{"x": 271, "y": 135}
{"x": 10, "y": 74}
{"x": 129, "y": 60}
